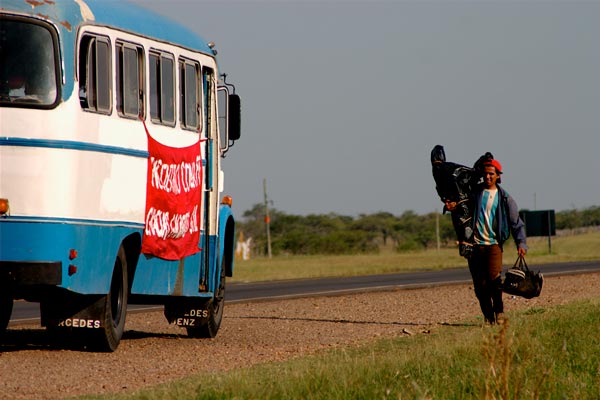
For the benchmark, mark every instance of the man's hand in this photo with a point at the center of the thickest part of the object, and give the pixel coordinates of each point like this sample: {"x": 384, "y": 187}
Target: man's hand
{"x": 450, "y": 205}
{"x": 521, "y": 251}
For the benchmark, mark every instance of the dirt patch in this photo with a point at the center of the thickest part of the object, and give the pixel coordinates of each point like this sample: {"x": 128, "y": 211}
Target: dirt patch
{"x": 153, "y": 352}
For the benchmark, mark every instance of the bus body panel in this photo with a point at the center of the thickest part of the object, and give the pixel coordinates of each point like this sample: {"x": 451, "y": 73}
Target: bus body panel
{"x": 173, "y": 278}
{"x": 89, "y": 272}
{"x": 43, "y": 180}
{"x": 26, "y": 241}
{"x": 226, "y": 238}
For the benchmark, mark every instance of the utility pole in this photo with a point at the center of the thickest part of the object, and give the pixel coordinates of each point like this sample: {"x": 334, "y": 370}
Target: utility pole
{"x": 437, "y": 229}
{"x": 267, "y": 219}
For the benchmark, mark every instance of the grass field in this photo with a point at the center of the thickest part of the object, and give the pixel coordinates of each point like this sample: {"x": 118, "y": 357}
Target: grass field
{"x": 550, "y": 353}
{"x": 538, "y": 354}
{"x": 583, "y": 247}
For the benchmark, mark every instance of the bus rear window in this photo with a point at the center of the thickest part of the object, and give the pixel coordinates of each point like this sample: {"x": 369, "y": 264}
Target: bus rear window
{"x": 130, "y": 80}
{"x": 28, "y": 64}
{"x": 162, "y": 89}
{"x": 189, "y": 95}
{"x": 95, "y": 79}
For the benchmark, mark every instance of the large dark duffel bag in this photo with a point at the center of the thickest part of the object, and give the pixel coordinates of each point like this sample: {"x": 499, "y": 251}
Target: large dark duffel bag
{"x": 520, "y": 281}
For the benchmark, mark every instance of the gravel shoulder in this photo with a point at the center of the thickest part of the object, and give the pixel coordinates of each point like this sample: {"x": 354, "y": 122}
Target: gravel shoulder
{"x": 154, "y": 352}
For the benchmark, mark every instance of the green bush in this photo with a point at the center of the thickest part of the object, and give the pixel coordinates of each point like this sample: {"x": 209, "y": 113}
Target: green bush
{"x": 339, "y": 234}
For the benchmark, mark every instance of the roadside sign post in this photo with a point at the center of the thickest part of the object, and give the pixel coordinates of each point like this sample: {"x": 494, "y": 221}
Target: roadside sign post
{"x": 540, "y": 223}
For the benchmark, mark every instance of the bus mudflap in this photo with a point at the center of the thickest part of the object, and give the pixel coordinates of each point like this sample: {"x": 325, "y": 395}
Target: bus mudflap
{"x": 188, "y": 313}
{"x": 72, "y": 310}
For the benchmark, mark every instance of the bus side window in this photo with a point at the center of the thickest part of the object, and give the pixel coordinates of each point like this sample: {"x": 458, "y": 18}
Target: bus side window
{"x": 130, "y": 80}
{"x": 95, "y": 74}
{"x": 162, "y": 89}
{"x": 209, "y": 107}
{"x": 189, "y": 109}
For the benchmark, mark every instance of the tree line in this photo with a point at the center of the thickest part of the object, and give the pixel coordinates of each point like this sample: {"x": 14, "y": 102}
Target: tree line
{"x": 367, "y": 233}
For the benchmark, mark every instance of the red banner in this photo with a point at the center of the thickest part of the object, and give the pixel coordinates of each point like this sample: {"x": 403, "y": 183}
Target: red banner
{"x": 173, "y": 200}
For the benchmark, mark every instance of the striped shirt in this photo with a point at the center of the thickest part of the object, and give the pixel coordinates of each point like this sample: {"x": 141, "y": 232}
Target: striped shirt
{"x": 484, "y": 232}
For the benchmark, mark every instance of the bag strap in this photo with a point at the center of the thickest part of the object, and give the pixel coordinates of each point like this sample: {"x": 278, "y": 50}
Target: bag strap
{"x": 521, "y": 264}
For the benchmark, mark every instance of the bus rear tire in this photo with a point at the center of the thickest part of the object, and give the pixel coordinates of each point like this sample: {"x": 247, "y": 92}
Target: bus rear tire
{"x": 215, "y": 313}
{"x": 113, "y": 311}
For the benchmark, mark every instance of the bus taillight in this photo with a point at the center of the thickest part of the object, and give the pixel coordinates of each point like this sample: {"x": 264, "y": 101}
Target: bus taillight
{"x": 4, "y": 208}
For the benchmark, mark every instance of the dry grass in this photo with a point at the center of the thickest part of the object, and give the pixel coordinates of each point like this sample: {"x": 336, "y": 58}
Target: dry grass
{"x": 583, "y": 247}
{"x": 550, "y": 354}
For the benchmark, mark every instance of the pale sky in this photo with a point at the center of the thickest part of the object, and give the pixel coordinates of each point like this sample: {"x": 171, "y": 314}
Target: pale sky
{"x": 344, "y": 100}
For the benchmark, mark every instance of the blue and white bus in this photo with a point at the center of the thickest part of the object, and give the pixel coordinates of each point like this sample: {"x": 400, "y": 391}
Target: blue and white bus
{"x": 91, "y": 217}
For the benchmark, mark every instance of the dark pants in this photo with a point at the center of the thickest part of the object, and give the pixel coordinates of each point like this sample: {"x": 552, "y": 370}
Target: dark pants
{"x": 486, "y": 268}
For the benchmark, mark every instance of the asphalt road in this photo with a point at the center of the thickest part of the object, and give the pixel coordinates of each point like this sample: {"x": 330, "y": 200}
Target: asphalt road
{"x": 262, "y": 291}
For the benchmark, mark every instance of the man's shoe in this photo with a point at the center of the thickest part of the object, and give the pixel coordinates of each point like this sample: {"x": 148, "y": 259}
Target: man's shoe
{"x": 500, "y": 318}
{"x": 489, "y": 321}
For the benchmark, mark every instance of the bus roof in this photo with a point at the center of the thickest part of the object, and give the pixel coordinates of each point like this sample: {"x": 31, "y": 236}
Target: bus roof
{"x": 69, "y": 14}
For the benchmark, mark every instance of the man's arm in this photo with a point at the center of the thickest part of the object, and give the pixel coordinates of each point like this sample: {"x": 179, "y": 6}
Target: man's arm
{"x": 517, "y": 227}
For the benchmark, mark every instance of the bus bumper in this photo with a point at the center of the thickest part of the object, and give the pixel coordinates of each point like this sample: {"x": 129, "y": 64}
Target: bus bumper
{"x": 21, "y": 273}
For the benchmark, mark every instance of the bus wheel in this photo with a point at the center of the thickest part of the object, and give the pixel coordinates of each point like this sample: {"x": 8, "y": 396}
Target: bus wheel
{"x": 215, "y": 313}
{"x": 114, "y": 308}
{"x": 6, "y": 306}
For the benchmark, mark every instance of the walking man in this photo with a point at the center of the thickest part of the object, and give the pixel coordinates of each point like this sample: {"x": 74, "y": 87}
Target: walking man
{"x": 496, "y": 217}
